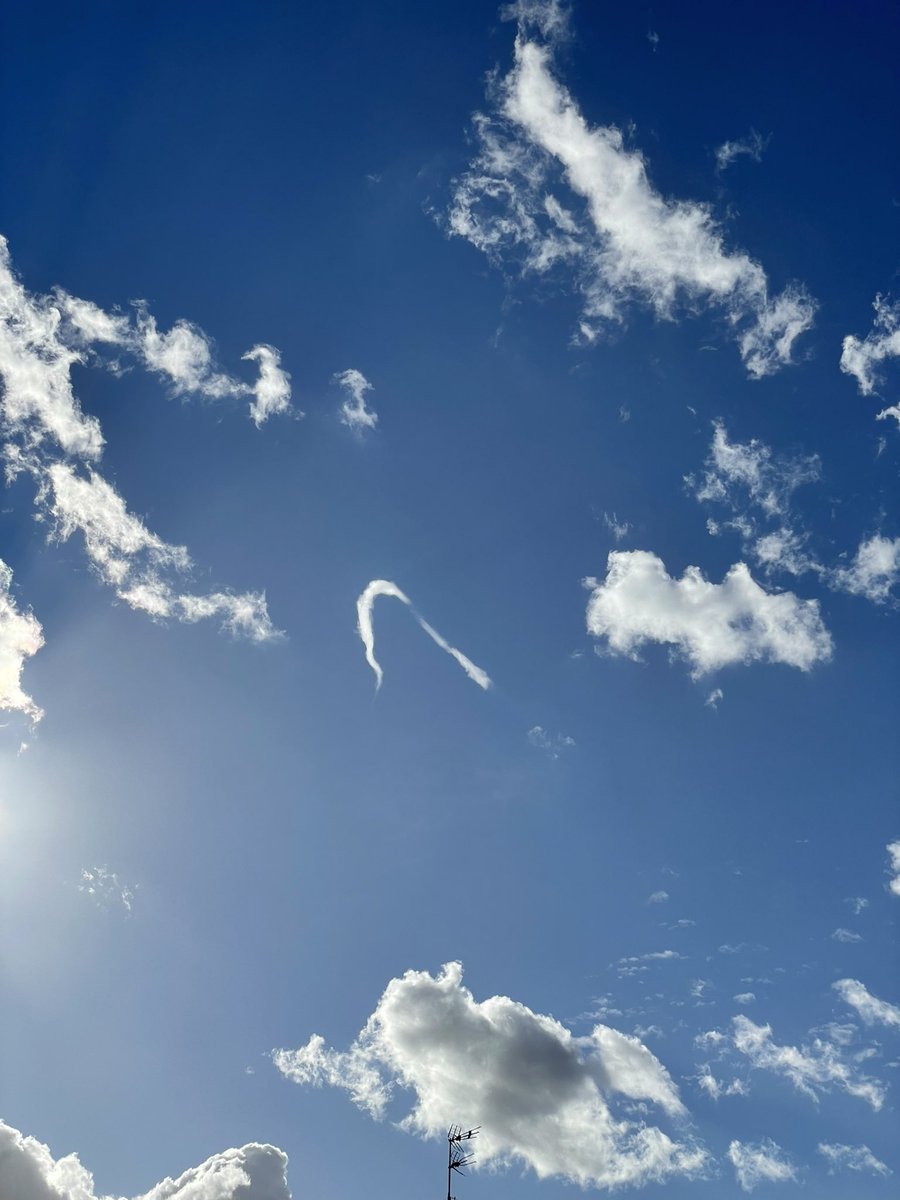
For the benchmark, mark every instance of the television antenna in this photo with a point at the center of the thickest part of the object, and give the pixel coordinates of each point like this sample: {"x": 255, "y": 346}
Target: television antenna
{"x": 459, "y": 1153}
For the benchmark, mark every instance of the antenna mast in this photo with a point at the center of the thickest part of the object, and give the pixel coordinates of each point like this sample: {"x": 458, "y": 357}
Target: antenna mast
{"x": 458, "y": 1155}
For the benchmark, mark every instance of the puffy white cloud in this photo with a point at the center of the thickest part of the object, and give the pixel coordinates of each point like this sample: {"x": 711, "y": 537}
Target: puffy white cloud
{"x": 106, "y": 888}
{"x": 863, "y": 358}
{"x": 21, "y": 637}
{"x": 872, "y": 1010}
{"x": 852, "y": 1158}
{"x": 542, "y": 1096}
{"x": 354, "y": 412}
{"x": 811, "y": 1069}
{"x": 364, "y": 606}
{"x": 711, "y": 625}
{"x": 272, "y": 391}
{"x": 893, "y": 849}
{"x": 752, "y": 147}
{"x": 762, "y": 1162}
{"x": 616, "y": 235}
{"x": 874, "y": 571}
{"x": 30, "y": 1172}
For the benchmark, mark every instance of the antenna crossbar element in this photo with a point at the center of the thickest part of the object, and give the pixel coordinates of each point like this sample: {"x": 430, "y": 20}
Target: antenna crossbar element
{"x": 458, "y": 1155}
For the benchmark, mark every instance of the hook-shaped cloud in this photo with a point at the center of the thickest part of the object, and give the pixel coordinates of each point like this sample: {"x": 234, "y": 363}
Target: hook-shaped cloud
{"x": 364, "y": 606}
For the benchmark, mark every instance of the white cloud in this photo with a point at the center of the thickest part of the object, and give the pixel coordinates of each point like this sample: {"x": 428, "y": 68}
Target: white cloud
{"x": 874, "y": 571}
{"x": 659, "y": 897}
{"x": 364, "y": 607}
{"x": 711, "y": 625}
{"x": 846, "y": 935}
{"x": 763, "y": 1162}
{"x": 128, "y": 557}
{"x": 872, "y": 1010}
{"x": 745, "y": 998}
{"x": 811, "y": 1069}
{"x": 20, "y": 638}
{"x": 553, "y": 745}
{"x": 752, "y": 147}
{"x": 893, "y": 849}
{"x": 619, "y": 529}
{"x": 106, "y": 888}
{"x": 37, "y": 402}
{"x": 30, "y": 1172}
{"x": 714, "y": 1088}
{"x": 46, "y": 433}
{"x": 618, "y": 237}
{"x": 749, "y": 477}
{"x": 542, "y": 1095}
{"x": 272, "y": 391}
{"x": 714, "y": 698}
{"x": 863, "y": 359}
{"x": 852, "y": 1158}
{"x": 353, "y": 410}
{"x": 857, "y": 903}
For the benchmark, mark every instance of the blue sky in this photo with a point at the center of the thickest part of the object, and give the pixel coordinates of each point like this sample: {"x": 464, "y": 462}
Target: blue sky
{"x": 545, "y": 359}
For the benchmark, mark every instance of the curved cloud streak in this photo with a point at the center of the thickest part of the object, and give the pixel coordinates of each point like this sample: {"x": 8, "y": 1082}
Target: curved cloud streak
{"x": 364, "y": 607}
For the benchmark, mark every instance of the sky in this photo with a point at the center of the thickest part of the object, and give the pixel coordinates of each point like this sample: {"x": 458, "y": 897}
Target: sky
{"x": 449, "y": 577}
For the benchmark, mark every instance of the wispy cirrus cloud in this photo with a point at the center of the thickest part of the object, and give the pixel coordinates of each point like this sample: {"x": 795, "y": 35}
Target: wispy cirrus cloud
{"x": 106, "y": 889}
{"x": 614, "y": 236}
{"x": 868, "y": 1007}
{"x": 752, "y": 146}
{"x": 30, "y": 1172}
{"x": 812, "y": 1069}
{"x": 710, "y": 625}
{"x": 364, "y": 608}
{"x": 50, "y": 438}
{"x": 21, "y": 637}
{"x": 852, "y": 1158}
{"x": 544, "y": 1098}
{"x": 760, "y": 1162}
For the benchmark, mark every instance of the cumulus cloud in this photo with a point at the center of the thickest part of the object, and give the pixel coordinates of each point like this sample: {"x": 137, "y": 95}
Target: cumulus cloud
{"x": 710, "y": 625}
{"x": 542, "y": 1096}
{"x": 812, "y": 1069}
{"x": 752, "y": 147}
{"x": 873, "y": 572}
{"x": 106, "y": 889}
{"x": 852, "y": 1158}
{"x": 893, "y": 849}
{"x": 30, "y": 1172}
{"x": 49, "y": 437}
{"x": 21, "y": 637}
{"x": 364, "y": 607}
{"x": 354, "y": 412}
{"x": 762, "y": 1162}
{"x": 616, "y": 237}
{"x": 872, "y": 1010}
{"x": 863, "y": 358}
